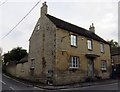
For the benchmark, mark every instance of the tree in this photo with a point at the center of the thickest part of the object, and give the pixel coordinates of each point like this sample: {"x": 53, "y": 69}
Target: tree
{"x": 15, "y": 54}
{"x": 0, "y": 56}
{"x": 0, "y": 51}
{"x": 113, "y": 43}
{"x": 6, "y": 58}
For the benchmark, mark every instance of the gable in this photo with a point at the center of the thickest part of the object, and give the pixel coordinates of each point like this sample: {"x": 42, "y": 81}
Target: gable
{"x": 34, "y": 29}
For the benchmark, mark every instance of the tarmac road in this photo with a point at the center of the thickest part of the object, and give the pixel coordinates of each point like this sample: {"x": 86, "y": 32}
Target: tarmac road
{"x": 11, "y": 85}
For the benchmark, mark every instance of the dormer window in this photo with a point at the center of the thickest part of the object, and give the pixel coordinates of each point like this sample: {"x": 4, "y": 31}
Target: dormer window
{"x": 89, "y": 43}
{"x": 73, "y": 40}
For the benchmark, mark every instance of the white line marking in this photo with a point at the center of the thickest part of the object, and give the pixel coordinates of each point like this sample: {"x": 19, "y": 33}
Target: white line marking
{"x": 16, "y": 80}
{"x": 38, "y": 88}
{"x": 35, "y": 87}
{"x": 12, "y": 88}
{"x": 3, "y": 82}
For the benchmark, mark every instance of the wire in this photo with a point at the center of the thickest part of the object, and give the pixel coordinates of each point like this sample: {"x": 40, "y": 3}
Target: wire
{"x": 3, "y": 2}
{"x": 20, "y": 21}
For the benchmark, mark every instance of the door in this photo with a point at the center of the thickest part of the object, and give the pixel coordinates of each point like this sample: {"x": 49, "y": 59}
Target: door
{"x": 90, "y": 68}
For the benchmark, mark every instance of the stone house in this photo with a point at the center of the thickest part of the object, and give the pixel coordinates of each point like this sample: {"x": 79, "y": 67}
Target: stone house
{"x": 63, "y": 53}
{"x": 115, "y": 55}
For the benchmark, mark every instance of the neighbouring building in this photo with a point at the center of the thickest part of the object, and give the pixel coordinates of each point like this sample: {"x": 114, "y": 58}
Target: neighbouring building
{"x": 63, "y": 53}
{"x": 22, "y": 68}
{"x": 11, "y": 68}
{"x": 18, "y": 68}
{"x": 115, "y": 55}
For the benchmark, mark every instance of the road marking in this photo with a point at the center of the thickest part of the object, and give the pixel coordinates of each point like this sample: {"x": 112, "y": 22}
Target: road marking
{"x": 35, "y": 87}
{"x": 3, "y": 82}
{"x": 16, "y": 80}
{"x": 38, "y": 88}
{"x": 12, "y": 88}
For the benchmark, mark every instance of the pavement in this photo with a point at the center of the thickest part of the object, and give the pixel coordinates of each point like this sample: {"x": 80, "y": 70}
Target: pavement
{"x": 79, "y": 85}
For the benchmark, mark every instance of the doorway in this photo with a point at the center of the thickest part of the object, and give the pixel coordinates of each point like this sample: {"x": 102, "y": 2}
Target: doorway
{"x": 90, "y": 68}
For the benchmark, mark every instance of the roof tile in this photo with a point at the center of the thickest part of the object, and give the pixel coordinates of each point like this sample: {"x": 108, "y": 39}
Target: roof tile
{"x": 73, "y": 28}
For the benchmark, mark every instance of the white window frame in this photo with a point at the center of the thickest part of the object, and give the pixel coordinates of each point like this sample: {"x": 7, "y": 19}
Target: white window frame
{"x": 73, "y": 40}
{"x": 74, "y": 62}
{"x": 22, "y": 67}
{"x": 32, "y": 63}
{"x": 103, "y": 65}
{"x": 89, "y": 44}
{"x": 102, "y": 48}
{"x": 38, "y": 27}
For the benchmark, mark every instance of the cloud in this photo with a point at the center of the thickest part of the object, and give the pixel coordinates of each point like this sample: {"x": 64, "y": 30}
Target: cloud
{"x": 82, "y": 13}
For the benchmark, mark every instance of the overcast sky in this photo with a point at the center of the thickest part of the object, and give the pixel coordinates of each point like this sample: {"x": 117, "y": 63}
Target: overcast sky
{"x": 103, "y": 13}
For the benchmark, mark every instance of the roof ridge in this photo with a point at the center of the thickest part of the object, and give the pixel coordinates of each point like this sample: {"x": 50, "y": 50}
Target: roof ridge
{"x": 68, "y": 22}
{"x": 74, "y": 28}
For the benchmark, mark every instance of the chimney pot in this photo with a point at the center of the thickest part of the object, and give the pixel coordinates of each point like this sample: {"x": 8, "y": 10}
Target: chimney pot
{"x": 92, "y": 28}
{"x": 92, "y": 25}
{"x": 43, "y": 9}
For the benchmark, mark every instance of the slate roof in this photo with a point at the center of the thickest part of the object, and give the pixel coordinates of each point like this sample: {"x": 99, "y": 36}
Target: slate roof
{"x": 115, "y": 51}
{"x": 23, "y": 60}
{"x": 75, "y": 29}
{"x": 12, "y": 63}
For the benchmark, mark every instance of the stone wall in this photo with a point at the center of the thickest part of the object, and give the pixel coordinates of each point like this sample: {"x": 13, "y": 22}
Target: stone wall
{"x": 116, "y": 59}
{"x": 22, "y": 70}
{"x": 42, "y": 49}
{"x": 64, "y": 75}
{"x": 11, "y": 69}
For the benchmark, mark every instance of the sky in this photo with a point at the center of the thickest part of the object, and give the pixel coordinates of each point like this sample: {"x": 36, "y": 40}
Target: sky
{"x": 103, "y": 13}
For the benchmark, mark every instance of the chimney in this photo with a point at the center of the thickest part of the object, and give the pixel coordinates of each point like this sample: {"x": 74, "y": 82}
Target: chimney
{"x": 92, "y": 28}
{"x": 43, "y": 9}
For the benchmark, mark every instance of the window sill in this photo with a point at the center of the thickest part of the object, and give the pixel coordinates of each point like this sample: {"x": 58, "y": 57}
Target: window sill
{"x": 73, "y": 46}
{"x": 90, "y": 49}
{"x": 103, "y": 52}
{"x": 22, "y": 70}
{"x": 71, "y": 68}
{"x": 32, "y": 68}
{"x": 104, "y": 70}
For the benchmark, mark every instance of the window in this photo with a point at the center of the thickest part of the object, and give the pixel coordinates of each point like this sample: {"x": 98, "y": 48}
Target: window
{"x": 74, "y": 62}
{"x": 101, "y": 47}
{"x": 22, "y": 68}
{"x": 32, "y": 63}
{"x": 89, "y": 42}
{"x": 73, "y": 40}
{"x": 103, "y": 65}
{"x": 38, "y": 27}
{"x": 50, "y": 73}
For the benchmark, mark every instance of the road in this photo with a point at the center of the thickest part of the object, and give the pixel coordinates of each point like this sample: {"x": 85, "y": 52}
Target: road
{"x": 113, "y": 86}
{"x": 12, "y": 84}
